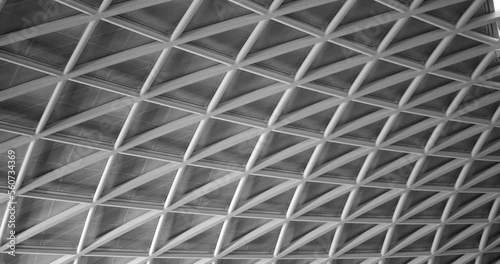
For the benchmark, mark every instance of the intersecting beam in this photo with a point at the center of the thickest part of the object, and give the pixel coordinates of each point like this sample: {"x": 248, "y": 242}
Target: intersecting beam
{"x": 302, "y": 79}
{"x": 132, "y": 184}
{"x": 109, "y": 253}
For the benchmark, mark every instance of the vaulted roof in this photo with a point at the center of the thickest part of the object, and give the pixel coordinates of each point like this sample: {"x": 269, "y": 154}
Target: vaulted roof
{"x": 251, "y": 131}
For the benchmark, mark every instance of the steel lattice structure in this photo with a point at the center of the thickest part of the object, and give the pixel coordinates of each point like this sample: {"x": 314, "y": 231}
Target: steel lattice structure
{"x": 447, "y": 128}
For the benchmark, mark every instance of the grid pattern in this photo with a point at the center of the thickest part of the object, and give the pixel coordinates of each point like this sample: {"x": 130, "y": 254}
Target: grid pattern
{"x": 308, "y": 131}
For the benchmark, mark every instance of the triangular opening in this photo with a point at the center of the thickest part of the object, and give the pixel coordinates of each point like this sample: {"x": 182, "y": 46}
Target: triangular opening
{"x": 485, "y": 112}
{"x": 111, "y": 123}
{"x": 431, "y": 163}
{"x": 316, "y": 122}
{"x": 177, "y": 223}
{"x": 105, "y": 40}
{"x": 263, "y": 244}
{"x": 493, "y": 181}
{"x": 181, "y": 63}
{"x": 198, "y": 94}
{"x": 464, "y": 146}
{"x": 403, "y": 231}
{"x": 351, "y": 231}
{"x": 364, "y": 196}
{"x": 312, "y": 191}
{"x": 386, "y": 210}
{"x": 227, "y": 43}
{"x": 13, "y": 75}
{"x": 150, "y": 116}
{"x": 450, "y": 231}
{"x": 302, "y": 98}
{"x": 332, "y": 151}
{"x": 196, "y": 177}
{"x": 50, "y": 155}
{"x": 355, "y": 111}
{"x": 26, "y": 109}
{"x": 331, "y": 208}
{"x": 173, "y": 143}
{"x": 215, "y": 200}
{"x": 469, "y": 242}
{"x": 239, "y": 227}
{"x": 364, "y": 9}
{"x": 76, "y": 98}
{"x": 259, "y": 110}
{"x": 54, "y": 48}
{"x": 481, "y": 212}
{"x": 340, "y": 81}
{"x": 392, "y": 93}
{"x": 446, "y": 179}
{"x": 475, "y": 92}
{"x": 451, "y": 13}
{"x": 370, "y": 36}
{"x": 413, "y": 28}
{"x": 276, "y": 205}
{"x": 277, "y": 142}
{"x": 494, "y": 232}
{"x": 422, "y": 244}
{"x": 439, "y": 104}
{"x": 466, "y": 67}
{"x": 256, "y": 185}
{"x": 381, "y": 70}
{"x": 418, "y": 140}
{"x": 383, "y": 158}
{"x": 458, "y": 44}
{"x": 66, "y": 234}
{"x": 286, "y": 64}
{"x": 491, "y": 257}
{"x": 296, "y": 230}
{"x": 492, "y": 138}
{"x": 204, "y": 242}
{"x": 212, "y": 12}
{"x": 419, "y": 54}
{"x": 428, "y": 84}
{"x": 153, "y": 193}
{"x": 319, "y": 16}
{"x": 477, "y": 168}
{"x": 369, "y": 132}
{"x": 275, "y": 34}
{"x": 373, "y": 244}
{"x": 106, "y": 219}
{"x": 296, "y": 163}
{"x": 216, "y": 131}
{"x": 244, "y": 83}
{"x": 126, "y": 168}
{"x": 319, "y": 245}
{"x": 161, "y": 17}
{"x": 18, "y": 15}
{"x": 403, "y": 121}
{"x": 462, "y": 200}
{"x": 236, "y": 155}
{"x": 131, "y": 73}
{"x": 414, "y": 199}
{"x": 398, "y": 176}
{"x": 138, "y": 238}
{"x": 450, "y": 129}
{"x": 81, "y": 182}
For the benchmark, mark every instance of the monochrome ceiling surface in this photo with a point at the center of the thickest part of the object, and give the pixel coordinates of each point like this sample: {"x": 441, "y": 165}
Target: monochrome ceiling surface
{"x": 250, "y": 131}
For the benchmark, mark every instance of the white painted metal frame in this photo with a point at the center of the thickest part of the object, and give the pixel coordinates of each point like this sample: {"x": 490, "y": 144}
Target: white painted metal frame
{"x": 244, "y": 61}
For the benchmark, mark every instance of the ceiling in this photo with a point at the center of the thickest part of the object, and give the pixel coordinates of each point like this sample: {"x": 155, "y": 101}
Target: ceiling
{"x": 251, "y": 131}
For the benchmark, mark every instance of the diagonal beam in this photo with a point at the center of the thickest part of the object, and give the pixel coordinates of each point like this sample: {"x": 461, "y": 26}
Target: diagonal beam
{"x": 218, "y": 148}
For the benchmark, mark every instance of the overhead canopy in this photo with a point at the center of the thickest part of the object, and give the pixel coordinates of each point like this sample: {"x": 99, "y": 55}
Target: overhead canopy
{"x": 250, "y": 131}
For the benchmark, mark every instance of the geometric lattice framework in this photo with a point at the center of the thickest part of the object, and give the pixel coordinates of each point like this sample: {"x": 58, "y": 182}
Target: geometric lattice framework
{"x": 251, "y": 131}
